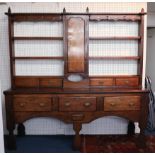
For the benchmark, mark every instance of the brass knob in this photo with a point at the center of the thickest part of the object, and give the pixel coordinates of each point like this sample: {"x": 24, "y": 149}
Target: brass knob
{"x": 22, "y": 104}
{"x": 87, "y": 104}
{"x": 126, "y": 81}
{"x": 42, "y": 104}
{"x": 112, "y": 104}
{"x": 131, "y": 104}
{"x": 67, "y": 104}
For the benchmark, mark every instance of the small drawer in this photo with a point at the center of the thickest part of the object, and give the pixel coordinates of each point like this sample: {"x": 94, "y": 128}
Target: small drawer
{"x": 26, "y": 82}
{"x": 127, "y": 81}
{"x": 77, "y": 117}
{"x": 32, "y": 103}
{"x": 102, "y": 82}
{"x": 77, "y": 104}
{"x": 122, "y": 103}
{"x": 50, "y": 82}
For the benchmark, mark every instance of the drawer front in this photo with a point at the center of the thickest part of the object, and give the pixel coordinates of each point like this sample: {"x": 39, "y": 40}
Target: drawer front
{"x": 122, "y": 103}
{"x": 77, "y": 104}
{"x": 49, "y": 82}
{"x": 102, "y": 82}
{"x": 127, "y": 81}
{"x": 32, "y": 103}
{"x": 26, "y": 82}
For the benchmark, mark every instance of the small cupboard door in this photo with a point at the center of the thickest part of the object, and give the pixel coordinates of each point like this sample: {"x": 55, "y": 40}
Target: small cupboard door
{"x": 76, "y": 43}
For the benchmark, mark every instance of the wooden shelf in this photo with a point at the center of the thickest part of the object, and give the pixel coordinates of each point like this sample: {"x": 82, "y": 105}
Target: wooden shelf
{"x": 116, "y": 38}
{"x": 38, "y": 58}
{"x": 37, "y": 38}
{"x": 115, "y": 57}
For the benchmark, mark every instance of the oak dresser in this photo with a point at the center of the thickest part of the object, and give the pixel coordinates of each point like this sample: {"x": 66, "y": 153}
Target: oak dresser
{"x": 76, "y": 67}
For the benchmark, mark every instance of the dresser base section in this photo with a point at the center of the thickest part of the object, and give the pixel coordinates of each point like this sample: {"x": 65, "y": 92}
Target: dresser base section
{"x": 76, "y": 109}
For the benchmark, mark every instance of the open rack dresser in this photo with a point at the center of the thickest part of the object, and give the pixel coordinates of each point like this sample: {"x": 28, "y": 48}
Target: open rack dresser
{"x": 76, "y": 67}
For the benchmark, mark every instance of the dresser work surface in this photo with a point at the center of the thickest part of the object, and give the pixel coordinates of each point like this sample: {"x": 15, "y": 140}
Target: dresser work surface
{"x": 76, "y": 83}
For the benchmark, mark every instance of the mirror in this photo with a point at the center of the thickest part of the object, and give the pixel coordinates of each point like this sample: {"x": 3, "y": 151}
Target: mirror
{"x": 75, "y": 78}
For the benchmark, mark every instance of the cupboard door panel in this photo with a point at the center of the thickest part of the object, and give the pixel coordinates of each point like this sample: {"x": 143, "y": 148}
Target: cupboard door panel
{"x": 76, "y": 44}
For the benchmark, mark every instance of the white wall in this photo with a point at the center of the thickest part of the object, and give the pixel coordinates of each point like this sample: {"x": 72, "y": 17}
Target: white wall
{"x": 1, "y": 126}
{"x": 151, "y": 55}
{"x": 151, "y": 19}
{"x": 107, "y": 125}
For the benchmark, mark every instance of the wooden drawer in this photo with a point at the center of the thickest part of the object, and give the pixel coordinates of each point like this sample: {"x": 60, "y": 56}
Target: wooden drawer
{"x": 22, "y": 103}
{"x": 127, "y": 81}
{"x": 50, "y": 82}
{"x": 79, "y": 84}
{"x": 102, "y": 82}
{"x": 122, "y": 103}
{"x": 77, "y": 104}
{"x": 26, "y": 82}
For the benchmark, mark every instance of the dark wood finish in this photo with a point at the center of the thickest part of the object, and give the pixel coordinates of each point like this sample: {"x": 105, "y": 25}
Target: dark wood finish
{"x": 116, "y": 38}
{"x": 36, "y": 17}
{"x": 21, "y": 130}
{"x": 78, "y": 54}
{"x": 76, "y": 44}
{"x": 11, "y": 48}
{"x": 69, "y": 84}
{"x": 74, "y": 13}
{"x": 26, "y": 82}
{"x": 102, "y": 82}
{"x": 37, "y": 58}
{"x": 76, "y": 102}
{"x": 115, "y": 57}
{"x": 141, "y": 47}
{"x": 122, "y": 103}
{"x": 24, "y": 103}
{"x": 114, "y": 18}
{"x": 50, "y": 82}
{"x": 127, "y": 81}
{"x": 37, "y": 38}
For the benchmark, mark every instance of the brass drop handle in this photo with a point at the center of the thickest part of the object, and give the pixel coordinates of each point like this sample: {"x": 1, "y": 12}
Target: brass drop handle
{"x": 67, "y": 104}
{"x": 22, "y": 104}
{"x": 42, "y": 104}
{"x": 131, "y": 104}
{"x": 87, "y": 104}
{"x": 112, "y": 104}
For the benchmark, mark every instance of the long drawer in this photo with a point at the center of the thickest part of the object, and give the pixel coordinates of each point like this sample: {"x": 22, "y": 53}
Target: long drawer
{"x": 32, "y": 103}
{"x": 122, "y": 103}
{"x": 77, "y": 104}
